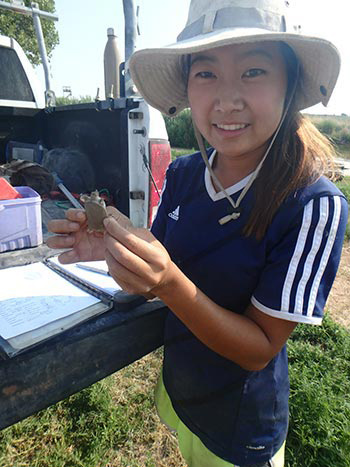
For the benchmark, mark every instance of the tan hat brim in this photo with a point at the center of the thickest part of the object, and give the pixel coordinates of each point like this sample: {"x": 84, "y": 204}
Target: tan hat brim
{"x": 158, "y": 74}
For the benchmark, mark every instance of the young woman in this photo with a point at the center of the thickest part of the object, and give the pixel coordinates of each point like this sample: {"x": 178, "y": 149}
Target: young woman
{"x": 248, "y": 234}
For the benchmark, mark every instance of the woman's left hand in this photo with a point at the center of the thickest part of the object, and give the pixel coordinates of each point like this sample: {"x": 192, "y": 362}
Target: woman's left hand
{"x": 136, "y": 259}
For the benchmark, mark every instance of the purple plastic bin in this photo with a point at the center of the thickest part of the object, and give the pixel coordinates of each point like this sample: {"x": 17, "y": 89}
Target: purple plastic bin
{"x": 20, "y": 221}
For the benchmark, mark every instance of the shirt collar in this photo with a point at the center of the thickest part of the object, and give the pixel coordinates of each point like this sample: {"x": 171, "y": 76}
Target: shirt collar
{"x": 213, "y": 194}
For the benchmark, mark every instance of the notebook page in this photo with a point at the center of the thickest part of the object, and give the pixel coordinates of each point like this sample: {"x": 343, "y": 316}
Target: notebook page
{"x": 103, "y": 282}
{"x": 32, "y": 296}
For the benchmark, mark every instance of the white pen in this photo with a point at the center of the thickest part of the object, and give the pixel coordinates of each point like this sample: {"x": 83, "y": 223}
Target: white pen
{"x": 92, "y": 269}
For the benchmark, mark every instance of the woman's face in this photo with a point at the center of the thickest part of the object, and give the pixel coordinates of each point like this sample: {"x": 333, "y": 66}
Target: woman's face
{"x": 237, "y": 94}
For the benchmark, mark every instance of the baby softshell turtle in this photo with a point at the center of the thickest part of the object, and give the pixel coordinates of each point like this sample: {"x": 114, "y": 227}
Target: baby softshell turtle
{"x": 95, "y": 209}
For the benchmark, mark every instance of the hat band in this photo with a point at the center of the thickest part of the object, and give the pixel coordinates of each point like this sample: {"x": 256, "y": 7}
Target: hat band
{"x": 234, "y": 17}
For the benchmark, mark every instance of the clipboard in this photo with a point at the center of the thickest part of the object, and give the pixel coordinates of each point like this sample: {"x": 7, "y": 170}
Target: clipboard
{"x": 41, "y": 300}
{"x": 110, "y": 290}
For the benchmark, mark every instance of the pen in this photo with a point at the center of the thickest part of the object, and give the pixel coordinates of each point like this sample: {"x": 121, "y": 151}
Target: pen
{"x": 92, "y": 269}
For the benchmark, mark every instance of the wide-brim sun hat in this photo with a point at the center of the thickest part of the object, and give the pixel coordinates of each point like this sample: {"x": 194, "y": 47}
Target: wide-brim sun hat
{"x": 158, "y": 72}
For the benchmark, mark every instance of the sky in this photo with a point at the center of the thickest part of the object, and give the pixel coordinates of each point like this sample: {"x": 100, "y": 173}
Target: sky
{"x": 78, "y": 60}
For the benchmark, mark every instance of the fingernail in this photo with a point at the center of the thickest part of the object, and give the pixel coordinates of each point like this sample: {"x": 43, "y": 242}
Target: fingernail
{"x": 106, "y": 221}
{"x": 81, "y": 215}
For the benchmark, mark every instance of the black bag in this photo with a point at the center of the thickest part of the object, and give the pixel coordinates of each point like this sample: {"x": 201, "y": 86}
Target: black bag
{"x": 24, "y": 173}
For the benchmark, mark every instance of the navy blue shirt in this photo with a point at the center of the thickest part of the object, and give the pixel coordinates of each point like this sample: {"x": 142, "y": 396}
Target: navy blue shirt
{"x": 242, "y": 416}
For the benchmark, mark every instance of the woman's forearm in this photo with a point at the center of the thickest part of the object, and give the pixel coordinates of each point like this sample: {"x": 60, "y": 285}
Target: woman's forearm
{"x": 234, "y": 336}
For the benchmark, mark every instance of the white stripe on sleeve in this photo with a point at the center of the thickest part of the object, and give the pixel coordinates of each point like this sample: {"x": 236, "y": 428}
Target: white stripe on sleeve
{"x": 325, "y": 255}
{"x": 316, "y": 243}
{"x": 299, "y": 248}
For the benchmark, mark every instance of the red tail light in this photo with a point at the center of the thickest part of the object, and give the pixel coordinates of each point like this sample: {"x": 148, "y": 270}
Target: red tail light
{"x": 160, "y": 157}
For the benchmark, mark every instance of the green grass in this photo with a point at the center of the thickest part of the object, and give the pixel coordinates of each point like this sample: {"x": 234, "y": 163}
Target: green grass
{"x": 77, "y": 432}
{"x": 336, "y": 127}
{"x": 176, "y": 152}
{"x": 319, "y": 434}
{"x": 113, "y": 423}
{"x": 344, "y": 186}
{"x": 343, "y": 150}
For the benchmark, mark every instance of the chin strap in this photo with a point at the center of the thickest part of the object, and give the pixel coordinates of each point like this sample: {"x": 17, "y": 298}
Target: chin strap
{"x": 200, "y": 141}
{"x": 236, "y": 205}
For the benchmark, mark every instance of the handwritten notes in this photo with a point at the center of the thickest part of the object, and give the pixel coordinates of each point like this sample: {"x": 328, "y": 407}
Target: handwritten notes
{"x": 32, "y": 296}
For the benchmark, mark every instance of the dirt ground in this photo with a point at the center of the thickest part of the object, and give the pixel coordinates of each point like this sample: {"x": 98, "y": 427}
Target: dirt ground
{"x": 338, "y": 304}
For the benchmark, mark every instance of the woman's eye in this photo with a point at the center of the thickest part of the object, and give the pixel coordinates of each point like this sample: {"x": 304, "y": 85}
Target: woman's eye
{"x": 253, "y": 73}
{"x": 204, "y": 74}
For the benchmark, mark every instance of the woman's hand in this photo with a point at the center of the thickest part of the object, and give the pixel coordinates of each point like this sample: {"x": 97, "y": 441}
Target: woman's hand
{"x": 136, "y": 259}
{"x": 73, "y": 234}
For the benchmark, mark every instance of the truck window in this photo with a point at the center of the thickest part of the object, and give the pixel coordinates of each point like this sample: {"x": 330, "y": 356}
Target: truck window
{"x": 14, "y": 84}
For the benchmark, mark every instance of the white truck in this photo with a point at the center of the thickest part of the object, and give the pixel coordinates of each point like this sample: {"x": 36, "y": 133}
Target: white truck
{"x": 125, "y": 142}
{"x": 122, "y": 140}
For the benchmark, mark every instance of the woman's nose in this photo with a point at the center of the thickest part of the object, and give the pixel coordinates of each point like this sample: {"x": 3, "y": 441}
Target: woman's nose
{"x": 229, "y": 99}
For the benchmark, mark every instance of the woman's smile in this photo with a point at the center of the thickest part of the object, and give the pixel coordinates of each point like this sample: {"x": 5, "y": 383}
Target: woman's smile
{"x": 230, "y": 130}
{"x": 231, "y": 126}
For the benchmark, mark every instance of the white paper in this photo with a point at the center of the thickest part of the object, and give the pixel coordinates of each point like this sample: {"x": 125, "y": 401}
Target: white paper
{"x": 32, "y": 296}
{"x": 101, "y": 281}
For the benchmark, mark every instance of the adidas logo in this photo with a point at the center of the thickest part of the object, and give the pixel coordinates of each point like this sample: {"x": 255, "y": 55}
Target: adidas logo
{"x": 175, "y": 214}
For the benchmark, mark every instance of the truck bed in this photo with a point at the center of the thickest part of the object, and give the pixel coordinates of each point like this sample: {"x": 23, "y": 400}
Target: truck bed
{"x": 76, "y": 358}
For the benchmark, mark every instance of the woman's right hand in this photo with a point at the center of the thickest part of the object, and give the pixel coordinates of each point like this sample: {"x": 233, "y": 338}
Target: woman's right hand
{"x": 73, "y": 235}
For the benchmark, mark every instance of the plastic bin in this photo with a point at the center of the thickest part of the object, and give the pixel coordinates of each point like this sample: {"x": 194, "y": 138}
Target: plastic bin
{"x": 20, "y": 221}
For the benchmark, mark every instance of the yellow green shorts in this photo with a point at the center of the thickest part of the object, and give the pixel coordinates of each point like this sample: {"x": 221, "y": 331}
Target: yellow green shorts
{"x": 192, "y": 449}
